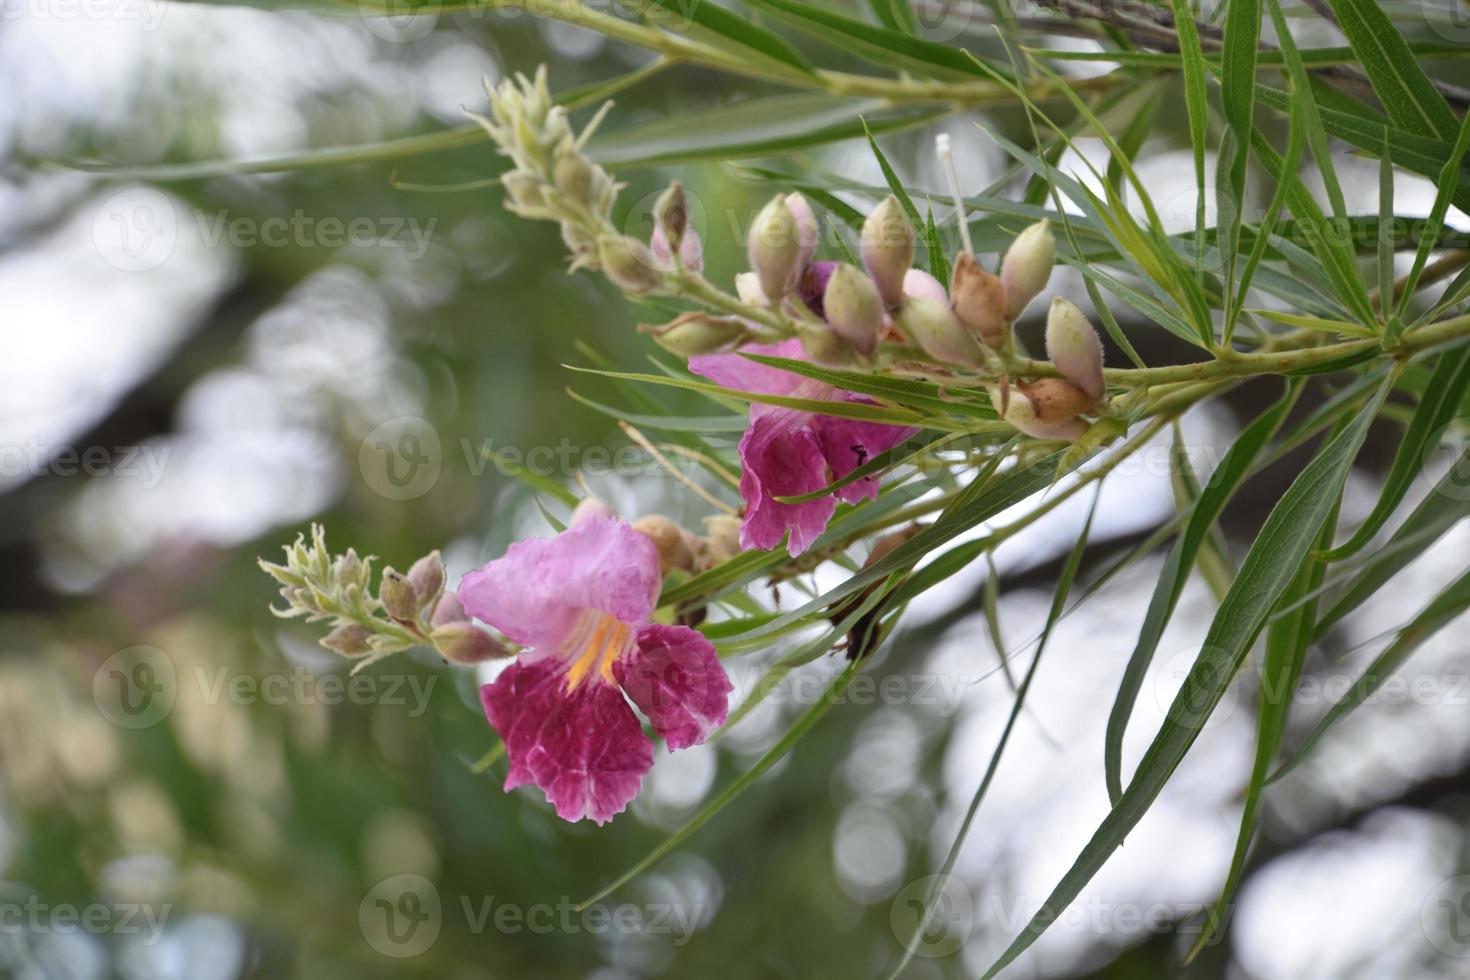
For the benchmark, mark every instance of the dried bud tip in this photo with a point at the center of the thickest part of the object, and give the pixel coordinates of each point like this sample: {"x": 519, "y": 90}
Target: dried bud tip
{"x": 671, "y": 214}
{"x": 853, "y": 308}
{"x": 466, "y": 643}
{"x": 888, "y": 249}
{"x": 668, "y": 538}
{"x": 980, "y": 301}
{"x": 1074, "y": 347}
{"x": 1027, "y": 267}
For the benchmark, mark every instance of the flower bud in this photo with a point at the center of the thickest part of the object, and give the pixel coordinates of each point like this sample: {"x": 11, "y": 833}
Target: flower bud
{"x": 590, "y": 509}
{"x": 572, "y": 175}
{"x": 808, "y": 233}
{"x": 668, "y": 538}
{"x": 448, "y": 610}
{"x": 524, "y": 189}
{"x": 723, "y": 533}
{"x": 1074, "y": 347}
{"x": 917, "y": 282}
{"x": 1027, "y": 266}
{"x": 774, "y": 249}
{"x": 980, "y": 301}
{"x": 629, "y": 263}
{"x": 427, "y": 578}
{"x": 1054, "y": 400}
{"x": 695, "y": 333}
{"x": 853, "y": 308}
{"x": 1021, "y": 413}
{"x": 823, "y": 346}
{"x": 398, "y": 596}
{"x": 888, "y": 249}
{"x": 691, "y": 250}
{"x": 812, "y": 285}
{"x": 748, "y": 288}
{"x": 934, "y": 327}
{"x": 466, "y": 643}
{"x": 349, "y": 639}
{"x": 671, "y": 215}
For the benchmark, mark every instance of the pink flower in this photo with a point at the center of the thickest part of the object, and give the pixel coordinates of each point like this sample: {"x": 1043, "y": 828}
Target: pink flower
{"x": 788, "y": 453}
{"x": 581, "y": 602}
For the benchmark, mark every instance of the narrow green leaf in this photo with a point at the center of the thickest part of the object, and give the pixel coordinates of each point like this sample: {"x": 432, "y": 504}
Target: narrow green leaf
{"x": 741, "y": 30}
{"x": 1268, "y": 569}
{"x": 1237, "y": 97}
{"x": 1221, "y": 486}
{"x": 1447, "y": 185}
{"x": 1196, "y": 101}
{"x": 1399, "y": 80}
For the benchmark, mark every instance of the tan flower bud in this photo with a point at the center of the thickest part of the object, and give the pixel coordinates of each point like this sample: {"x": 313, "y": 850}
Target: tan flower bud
{"x": 671, "y": 214}
{"x": 1022, "y": 414}
{"x": 668, "y": 537}
{"x": 823, "y": 344}
{"x": 775, "y": 249}
{"x": 1027, "y": 266}
{"x": 853, "y": 308}
{"x": 1074, "y": 347}
{"x": 697, "y": 333}
{"x": 427, "y": 578}
{"x": 629, "y": 263}
{"x": 934, "y": 327}
{"x": 465, "y": 643}
{"x": 398, "y": 596}
{"x": 888, "y": 249}
{"x": 349, "y": 639}
{"x": 979, "y": 301}
{"x": 723, "y": 533}
{"x": 1055, "y": 400}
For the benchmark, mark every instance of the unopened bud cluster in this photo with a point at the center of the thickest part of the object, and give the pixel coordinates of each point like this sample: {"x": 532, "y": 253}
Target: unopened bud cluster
{"x": 1053, "y": 408}
{"x": 409, "y": 610}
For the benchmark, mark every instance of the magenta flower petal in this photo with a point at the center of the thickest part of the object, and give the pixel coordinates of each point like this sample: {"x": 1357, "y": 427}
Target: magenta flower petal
{"x": 675, "y": 677}
{"x": 849, "y": 443}
{"x": 585, "y": 749}
{"x": 781, "y": 457}
{"x": 742, "y": 374}
{"x": 537, "y": 591}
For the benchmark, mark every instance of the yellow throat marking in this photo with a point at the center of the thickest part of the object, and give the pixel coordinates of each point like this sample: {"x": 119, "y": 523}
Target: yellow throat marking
{"x": 594, "y": 645}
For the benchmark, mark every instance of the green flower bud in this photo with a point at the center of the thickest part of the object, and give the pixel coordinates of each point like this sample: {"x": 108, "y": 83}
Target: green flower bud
{"x": 697, "y": 333}
{"x": 1074, "y": 347}
{"x": 979, "y": 301}
{"x": 775, "y": 249}
{"x": 934, "y": 327}
{"x": 466, "y": 643}
{"x": 629, "y": 263}
{"x": 349, "y": 639}
{"x": 572, "y": 174}
{"x": 888, "y": 249}
{"x": 853, "y": 308}
{"x": 398, "y": 596}
{"x": 1027, "y": 267}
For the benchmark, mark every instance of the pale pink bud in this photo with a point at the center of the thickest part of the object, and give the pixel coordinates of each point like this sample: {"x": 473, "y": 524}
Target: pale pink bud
{"x": 449, "y": 610}
{"x": 1074, "y": 347}
{"x": 691, "y": 250}
{"x": 629, "y": 263}
{"x": 668, "y": 538}
{"x": 349, "y": 639}
{"x": 748, "y": 288}
{"x": 590, "y": 509}
{"x": 808, "y": 233}
{"x": 980, "y": 301}
{"x": 1027, "y": 266}
{"x": 465, "y": 643}
{"x": 853, "y": 308}
{"x": 888, "y": 249}
{"x": 934, "y": 327}
{"x": 427, "y": 578}
{"x": 917, "y": 282}
{"x": 775, "y": 249}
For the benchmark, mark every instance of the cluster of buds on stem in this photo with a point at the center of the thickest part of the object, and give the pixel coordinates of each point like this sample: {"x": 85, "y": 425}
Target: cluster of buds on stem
{"x": 1053, "y": 408}
{"x": 409, "y": 610}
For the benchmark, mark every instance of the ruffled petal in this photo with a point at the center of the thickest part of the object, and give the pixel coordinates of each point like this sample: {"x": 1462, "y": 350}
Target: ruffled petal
{"x": 743, "y": 374}
{"x": 849, "y": 443}
{"x": 675, "y": 677}
{"x": 585, "y": 749}
{"x": 535, "y": 593}
{"x": 780, "y": 457}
